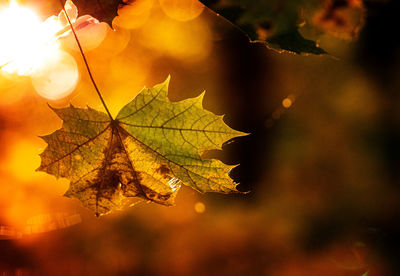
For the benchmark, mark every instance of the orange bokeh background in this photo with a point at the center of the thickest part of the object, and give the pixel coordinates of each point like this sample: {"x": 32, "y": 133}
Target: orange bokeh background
{"x": 322, "y": 192}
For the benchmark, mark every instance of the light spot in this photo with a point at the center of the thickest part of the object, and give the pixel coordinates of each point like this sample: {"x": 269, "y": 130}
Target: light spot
{"x": 134, "y": 15}
{"x": 287, "y": 102}
{"x": 26, "y": 42}
{"x": 58, "y": 77}
{"x": 182, "y": 10}
{"x": 199, "y": 207}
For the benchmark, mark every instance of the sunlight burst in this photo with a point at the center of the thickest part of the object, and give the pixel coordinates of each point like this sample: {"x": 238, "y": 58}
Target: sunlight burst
{"x": 27, "y": 43}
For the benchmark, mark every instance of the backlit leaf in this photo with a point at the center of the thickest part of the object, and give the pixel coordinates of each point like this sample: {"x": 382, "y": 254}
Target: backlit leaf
{"x": 151, "y": 146}
{"x": 103, "y": 10}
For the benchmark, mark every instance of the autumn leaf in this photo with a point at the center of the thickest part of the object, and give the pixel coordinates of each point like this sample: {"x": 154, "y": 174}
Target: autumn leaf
{"x": 143, "y": 154}
{"x": 102, "y": 10}
{"x": 274, "y": 22}
{"x": 294, "y": 42}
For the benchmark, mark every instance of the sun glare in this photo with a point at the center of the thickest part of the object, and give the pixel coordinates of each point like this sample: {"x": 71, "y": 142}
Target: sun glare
{"x": 26, "y": 42}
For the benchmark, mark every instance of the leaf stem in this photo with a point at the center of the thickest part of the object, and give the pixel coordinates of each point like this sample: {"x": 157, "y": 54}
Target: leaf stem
{"x": 3, "y": 65}
{"x": 85, "y": 61}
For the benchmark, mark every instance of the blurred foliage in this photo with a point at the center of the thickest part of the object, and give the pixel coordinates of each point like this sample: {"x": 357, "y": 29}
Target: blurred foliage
{"x": 279, "y": 23}
{"x": 324, "y": 173}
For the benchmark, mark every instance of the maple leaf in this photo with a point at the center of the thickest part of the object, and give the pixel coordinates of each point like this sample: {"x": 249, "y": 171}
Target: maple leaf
{"x": 273, "y": 22}
{"x": 143, "y": 154}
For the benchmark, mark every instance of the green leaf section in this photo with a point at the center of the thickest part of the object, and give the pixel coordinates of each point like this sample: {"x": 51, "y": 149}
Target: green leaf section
{"x": 143, "y": 154}
{"x": 274, "y": 22}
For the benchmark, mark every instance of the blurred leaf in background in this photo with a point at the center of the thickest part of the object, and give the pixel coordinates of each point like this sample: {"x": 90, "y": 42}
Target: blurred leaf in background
{"x": 279, "y": 23}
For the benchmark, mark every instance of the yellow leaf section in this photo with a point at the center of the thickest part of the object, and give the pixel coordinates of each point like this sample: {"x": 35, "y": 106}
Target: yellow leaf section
{"x": 174, "y": 134}
{"x": 88, "y": 150}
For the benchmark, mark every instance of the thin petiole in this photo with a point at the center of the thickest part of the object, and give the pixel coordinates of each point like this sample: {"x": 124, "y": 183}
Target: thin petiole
{"x": 86, "y": 63}
{"x": 3, "y": 65}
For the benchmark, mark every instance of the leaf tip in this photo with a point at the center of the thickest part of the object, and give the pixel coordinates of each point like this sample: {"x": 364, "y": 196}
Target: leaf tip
{"x": 89, "y": 108}
{"x": 201, "y": 98}
{"x": 166, "y": 82}
{"x": 68, "y": 193}
{"x": 52, "y": 108}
